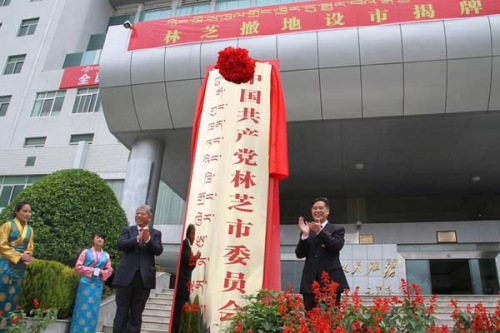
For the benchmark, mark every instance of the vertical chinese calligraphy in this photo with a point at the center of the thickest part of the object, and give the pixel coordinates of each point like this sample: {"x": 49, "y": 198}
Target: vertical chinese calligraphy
{"x": 229, "y": 187}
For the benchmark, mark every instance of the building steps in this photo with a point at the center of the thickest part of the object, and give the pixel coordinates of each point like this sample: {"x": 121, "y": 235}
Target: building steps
{"x": 156, "y": 315}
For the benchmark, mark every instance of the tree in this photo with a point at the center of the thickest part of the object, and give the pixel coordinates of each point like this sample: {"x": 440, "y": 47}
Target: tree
{"x": 67, "y": 207}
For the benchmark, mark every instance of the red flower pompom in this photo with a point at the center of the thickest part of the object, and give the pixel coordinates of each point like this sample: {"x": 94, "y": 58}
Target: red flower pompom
{"x": 235, "y": 65}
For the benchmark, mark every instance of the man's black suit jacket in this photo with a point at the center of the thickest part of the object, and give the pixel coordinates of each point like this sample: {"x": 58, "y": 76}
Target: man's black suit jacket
{"x": 138, "y": 255}
{"x": 322, "y": 252}
{"x": 185, "y": 270}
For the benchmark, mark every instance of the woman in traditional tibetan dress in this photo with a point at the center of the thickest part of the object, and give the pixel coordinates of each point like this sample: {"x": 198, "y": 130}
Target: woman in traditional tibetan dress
{"x": 94, "y": 266}
{"x": 16, "y": 251}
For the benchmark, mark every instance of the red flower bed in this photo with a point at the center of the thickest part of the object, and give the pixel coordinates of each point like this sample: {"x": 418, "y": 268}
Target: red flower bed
{"x": 271, "y": 311}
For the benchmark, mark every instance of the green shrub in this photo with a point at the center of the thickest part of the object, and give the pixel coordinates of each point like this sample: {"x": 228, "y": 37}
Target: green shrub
{"x": 191, "y": 317}
{"x": 68, "y": 206}
{"x": 196, "y": 316}
{"x": 53, "y": 284}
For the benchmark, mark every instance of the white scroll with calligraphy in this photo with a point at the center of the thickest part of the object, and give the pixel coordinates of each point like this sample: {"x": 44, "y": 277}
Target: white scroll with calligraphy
{"x": 228, "y": 195}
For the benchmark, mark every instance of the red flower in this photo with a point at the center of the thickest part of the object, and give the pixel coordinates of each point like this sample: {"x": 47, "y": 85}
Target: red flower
{"x": 235, "y": 65}
{"x": 36, "y": 303}
{"x": 1, "y": 313}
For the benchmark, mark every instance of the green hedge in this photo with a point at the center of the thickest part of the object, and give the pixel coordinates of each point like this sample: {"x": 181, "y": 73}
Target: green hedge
{"x": 191, "y": 317}
{"x": 68, "y": 206}
{"x": 53, "y": 284}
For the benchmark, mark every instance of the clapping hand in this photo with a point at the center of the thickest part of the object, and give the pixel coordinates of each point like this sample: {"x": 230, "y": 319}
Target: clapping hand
{"x": 304, "y": 227}
{"x": 145, "y": 234}
{"x": 315, "y": 226}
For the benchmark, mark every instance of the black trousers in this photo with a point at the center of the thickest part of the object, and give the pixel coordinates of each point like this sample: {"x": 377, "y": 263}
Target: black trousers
{"x": 181, "y": 298}
{"x": 130, "y": 303}
{"x": 310, "y": 303}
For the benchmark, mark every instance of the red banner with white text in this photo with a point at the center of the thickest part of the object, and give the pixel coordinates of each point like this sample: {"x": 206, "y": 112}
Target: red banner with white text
{"x": 82, "y": 76}
{"x": 299, "y": 17}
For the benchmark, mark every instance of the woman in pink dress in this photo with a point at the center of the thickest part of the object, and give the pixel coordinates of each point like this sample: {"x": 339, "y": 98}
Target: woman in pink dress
{"x": 94, "y": 265}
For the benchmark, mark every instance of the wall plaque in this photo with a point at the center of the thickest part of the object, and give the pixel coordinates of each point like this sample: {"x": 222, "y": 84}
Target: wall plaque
{"x": 365, "y": 239}
{"x": 447, "y": 236}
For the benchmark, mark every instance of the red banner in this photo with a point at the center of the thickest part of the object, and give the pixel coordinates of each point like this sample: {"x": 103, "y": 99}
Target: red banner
{"x": 83, "y": 76}
{"x": 298, "y": 17}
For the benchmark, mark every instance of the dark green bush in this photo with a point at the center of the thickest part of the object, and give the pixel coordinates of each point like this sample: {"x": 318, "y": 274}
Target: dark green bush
{"x": 68, "y": 206}
{"x": 53, "y": 284}
{"x": 191, "y": 317}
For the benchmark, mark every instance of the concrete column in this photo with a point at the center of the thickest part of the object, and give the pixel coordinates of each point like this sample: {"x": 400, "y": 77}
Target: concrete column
{"x": 497, "y": 260}
{"x": 143, "y": 176}
{"x": 475, "y": 277}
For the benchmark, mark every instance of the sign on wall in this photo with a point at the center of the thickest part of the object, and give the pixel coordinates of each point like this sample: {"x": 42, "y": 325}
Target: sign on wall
{"x": 300, "y": 17}
{"x": 374, "y": 269}
{"x": 83, "y": 76}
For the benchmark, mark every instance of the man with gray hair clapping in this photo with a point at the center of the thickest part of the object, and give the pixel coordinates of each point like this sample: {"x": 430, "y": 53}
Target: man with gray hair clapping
{"x": 136, "y": 274}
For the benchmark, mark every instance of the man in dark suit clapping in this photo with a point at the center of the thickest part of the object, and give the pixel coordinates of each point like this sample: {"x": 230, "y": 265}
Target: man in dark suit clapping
{"x": 320, "y": 243}
{"x": 136, "y": 274}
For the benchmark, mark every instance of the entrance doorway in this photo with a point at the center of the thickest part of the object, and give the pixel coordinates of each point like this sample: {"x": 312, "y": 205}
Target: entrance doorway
{"x": 450, "y": 277}
{"x": 454, "y": 276}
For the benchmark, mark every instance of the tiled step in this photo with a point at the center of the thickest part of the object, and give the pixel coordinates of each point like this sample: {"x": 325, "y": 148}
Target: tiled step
{"x": 147, "y": 317}
{"x": 156, "y": 315}
{"x": 157, "y": 312}
{"x": 159, "y": 307}
{"x": 156, "y": 325}
{"x": 157, "y": 300}
{"x": 164, "y": 296}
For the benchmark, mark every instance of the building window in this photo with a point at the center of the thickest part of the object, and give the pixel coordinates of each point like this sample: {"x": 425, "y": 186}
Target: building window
{"x": 14, "y": 64}
{"x": 48, "y": 103}
{"x": 30, "y": 161}
{"x": 221, "y": 5}
{"x": 75, "y": 138}
{"x": 4, "y": 104}
{"x": 155, "y": 14}
{"x": 82, "y": 58}
{"x": 96, "y": 42}
{"x": 169, "y": 206}
{"x": 119, "y": 20}
{"x": 28, "y": 27}
{"x": 87, "y": 100}
{"x": 272, "y": 2}
{"x": 11, "y": 186}
{"x": 192, "y": 9}
{"x": 4, "y": 3}
{"x": 35, "y": 142}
